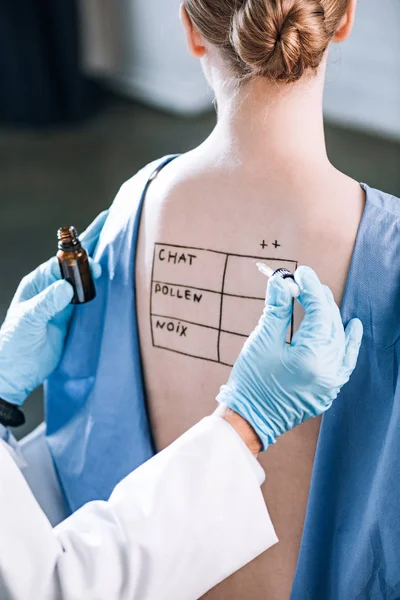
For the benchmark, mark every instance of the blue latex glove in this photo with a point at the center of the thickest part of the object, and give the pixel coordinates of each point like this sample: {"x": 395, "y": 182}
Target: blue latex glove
{"x": 275, "y": 386}
{"x": 33, "y": 334}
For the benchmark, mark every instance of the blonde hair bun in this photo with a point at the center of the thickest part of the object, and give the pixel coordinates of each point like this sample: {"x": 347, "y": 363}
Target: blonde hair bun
{"x": 279, "y": 39}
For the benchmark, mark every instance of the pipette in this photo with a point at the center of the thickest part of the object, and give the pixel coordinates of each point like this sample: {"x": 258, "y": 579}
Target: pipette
{"x": 284, "y": 273}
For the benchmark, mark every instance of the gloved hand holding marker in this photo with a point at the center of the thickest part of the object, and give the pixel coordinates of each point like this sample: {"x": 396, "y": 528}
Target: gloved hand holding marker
{"x": 275, "y": 386}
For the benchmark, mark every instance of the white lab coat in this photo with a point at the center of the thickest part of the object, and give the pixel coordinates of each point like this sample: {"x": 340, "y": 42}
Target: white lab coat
{"x": 171, "y": 530}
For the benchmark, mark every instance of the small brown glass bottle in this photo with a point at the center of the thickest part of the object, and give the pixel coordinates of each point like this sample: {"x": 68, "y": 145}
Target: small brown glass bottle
{"x": 74, "y": 265}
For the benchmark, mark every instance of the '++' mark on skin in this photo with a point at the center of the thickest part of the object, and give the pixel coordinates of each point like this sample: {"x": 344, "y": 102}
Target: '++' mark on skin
{"x": 275, "y": 244}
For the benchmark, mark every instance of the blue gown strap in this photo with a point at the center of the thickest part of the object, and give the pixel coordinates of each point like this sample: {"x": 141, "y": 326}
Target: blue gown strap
{"x": 98, "y": 428}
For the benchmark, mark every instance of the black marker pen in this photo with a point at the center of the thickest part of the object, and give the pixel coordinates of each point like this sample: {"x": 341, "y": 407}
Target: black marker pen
{"x": 287, "y": 275}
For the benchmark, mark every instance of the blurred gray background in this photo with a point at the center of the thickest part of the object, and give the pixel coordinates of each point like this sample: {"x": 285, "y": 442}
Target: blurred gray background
{"x": 153, "y": 103}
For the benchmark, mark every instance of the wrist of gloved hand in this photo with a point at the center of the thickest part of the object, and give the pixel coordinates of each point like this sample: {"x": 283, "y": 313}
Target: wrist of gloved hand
{"x": 10, "y": 415}
{"x": 242, "y": 428}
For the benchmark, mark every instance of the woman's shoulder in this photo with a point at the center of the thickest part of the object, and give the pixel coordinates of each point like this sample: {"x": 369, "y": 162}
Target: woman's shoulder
{"x": 126, "y": 209}
{"x": 130, "y": 195}
{"x": 134, "y": 187}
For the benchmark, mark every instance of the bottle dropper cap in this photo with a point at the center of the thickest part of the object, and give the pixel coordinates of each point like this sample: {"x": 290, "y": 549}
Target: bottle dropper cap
{"x": 68, "y": 238}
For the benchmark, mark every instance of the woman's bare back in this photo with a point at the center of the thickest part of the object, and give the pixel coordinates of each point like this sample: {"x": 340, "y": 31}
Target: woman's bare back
{"x": 206, "y": 221}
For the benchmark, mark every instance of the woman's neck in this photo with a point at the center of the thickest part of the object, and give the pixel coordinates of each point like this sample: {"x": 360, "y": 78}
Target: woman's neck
{"x": 280, "y": 124}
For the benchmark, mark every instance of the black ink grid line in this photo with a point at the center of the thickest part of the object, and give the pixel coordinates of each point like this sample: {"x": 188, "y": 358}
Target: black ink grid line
{"x": 221, "y": 308}
{"x": 199, "y": 289}
{"x": 222, "y": 294}
{"x": 211, "y": 360}
{"x": 167, "y": 318}
{"x": 244, "y": 297}
{"x": 218, "y": 362}
{"x": 184, "y": 321}
{"x": 189, "y": 287}
{"x": 151, "y": 293}
{"x": 228, "y": 253}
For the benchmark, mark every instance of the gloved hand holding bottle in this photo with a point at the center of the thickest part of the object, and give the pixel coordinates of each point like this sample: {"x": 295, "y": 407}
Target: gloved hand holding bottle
{"x": 275, "y": 386}
{"x": 33, "y": 334}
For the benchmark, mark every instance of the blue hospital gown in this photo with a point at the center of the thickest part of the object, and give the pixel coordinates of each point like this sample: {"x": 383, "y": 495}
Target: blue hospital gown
{"x": 98, "y": 428}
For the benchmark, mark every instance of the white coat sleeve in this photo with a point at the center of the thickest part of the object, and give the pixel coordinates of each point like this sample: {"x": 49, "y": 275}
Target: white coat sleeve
{"x": 171, "y": 530}
{"x": 34, "y": 459}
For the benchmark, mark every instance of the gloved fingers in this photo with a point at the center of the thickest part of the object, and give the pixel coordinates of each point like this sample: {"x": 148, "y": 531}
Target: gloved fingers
{"x": 278, "y": 309}
{"x": 90, "y": 236}
{"x": 53, "y": 271}
{"x": 49, "y": 272}
{"x": 354, "y": 335}
{"x": 337, "y": 324}
{"x": 95, "y": 268}
{"x": 319, "y": 316}
{"x": 329, "y": 295}
{"x": 53, "y": 300}
{"x": 44, "y": 276}
{"x": 34, "y": 283}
